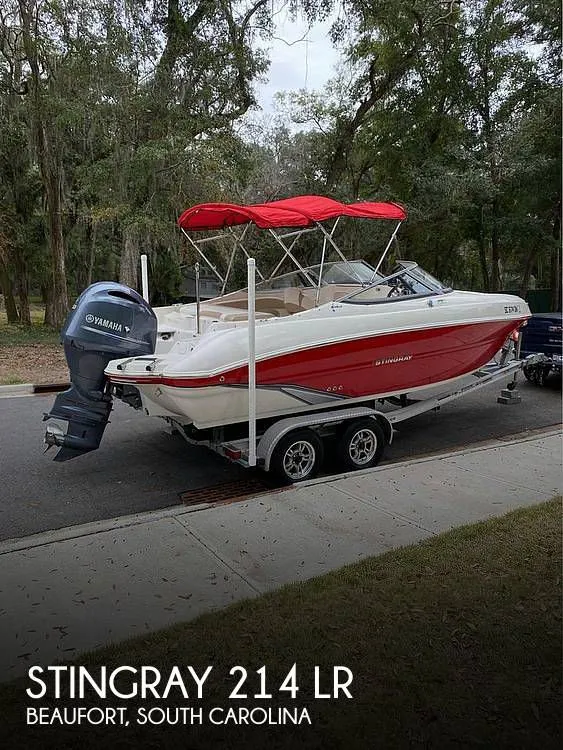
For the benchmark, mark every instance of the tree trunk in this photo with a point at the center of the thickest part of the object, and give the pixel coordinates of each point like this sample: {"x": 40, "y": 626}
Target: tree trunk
{"x": 9, "y": 301}
{"x": 495, "y": 251}
{"x": 23, "y": 292}
{"x": 130, "y": 256}
{"x": 50, "y": 166}
{"x": 555, "y": 279}
{"x": 483, "y": 254}
{"x": 47, "y": 294}
{"x": 530, "y": 260}
{"x": 555, "y": 271}
{"x": 52, "y": 181}
{"x": 92, "y": 255}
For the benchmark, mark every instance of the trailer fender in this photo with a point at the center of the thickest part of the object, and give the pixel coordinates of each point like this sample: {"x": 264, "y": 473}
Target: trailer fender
{"x": 386, "y": 426}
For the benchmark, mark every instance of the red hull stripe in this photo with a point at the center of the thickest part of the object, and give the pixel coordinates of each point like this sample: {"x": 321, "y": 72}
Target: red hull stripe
{"x": 377, "y": 364}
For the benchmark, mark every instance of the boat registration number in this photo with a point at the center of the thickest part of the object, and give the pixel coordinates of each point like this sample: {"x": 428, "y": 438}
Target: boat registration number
{"x": 511, "y": 309}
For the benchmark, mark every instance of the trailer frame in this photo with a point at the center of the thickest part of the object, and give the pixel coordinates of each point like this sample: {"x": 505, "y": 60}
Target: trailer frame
{"x": 362, "y": 430}
{"x": 328, "y": 422}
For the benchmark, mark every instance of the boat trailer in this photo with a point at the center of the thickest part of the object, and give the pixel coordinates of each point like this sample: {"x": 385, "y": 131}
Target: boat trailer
{"x": 293, "y": 447}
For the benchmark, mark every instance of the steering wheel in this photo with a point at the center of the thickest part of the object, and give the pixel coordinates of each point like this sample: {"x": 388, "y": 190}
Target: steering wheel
{"x": 395, "y": 291}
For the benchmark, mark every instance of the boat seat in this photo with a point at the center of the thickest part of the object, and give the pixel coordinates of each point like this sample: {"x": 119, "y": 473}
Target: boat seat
{"x": 271, "y": 303}
{"x": 292, "y": 300}
{"x": 275, "y": 306}
{"x": 237, "y": 315}
{"x": 229, "y": 314}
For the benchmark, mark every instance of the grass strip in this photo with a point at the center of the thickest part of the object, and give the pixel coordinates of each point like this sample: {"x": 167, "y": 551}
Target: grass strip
{"x": 19, "y": 335}
{"x": 454, "y": 642}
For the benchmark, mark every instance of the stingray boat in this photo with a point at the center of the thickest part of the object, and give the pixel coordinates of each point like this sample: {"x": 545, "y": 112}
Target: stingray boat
{"x": 335, "y": 333}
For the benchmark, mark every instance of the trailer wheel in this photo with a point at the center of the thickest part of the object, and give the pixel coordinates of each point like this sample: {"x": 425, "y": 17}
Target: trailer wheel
{"x": 298, "y": 456}
{"x": 536, "y": 374}
{"x": 361, "y": 444}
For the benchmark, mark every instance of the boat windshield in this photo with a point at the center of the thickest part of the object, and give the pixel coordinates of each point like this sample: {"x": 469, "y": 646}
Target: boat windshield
{"x": 406, "y": 280}
{"x": 339, "y": 272}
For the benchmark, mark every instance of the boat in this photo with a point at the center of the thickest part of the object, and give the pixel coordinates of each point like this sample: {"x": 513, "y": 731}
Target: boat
{"x": 337, "y": 333}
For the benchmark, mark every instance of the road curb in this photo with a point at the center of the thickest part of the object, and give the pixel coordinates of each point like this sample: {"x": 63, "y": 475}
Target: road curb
{"x": 21, "y": 389}
{"x": 30, "y": 389}
{"x": 122, "y": 522}
{"x": 520, "y": 437}
{"x": 91, "y": 528}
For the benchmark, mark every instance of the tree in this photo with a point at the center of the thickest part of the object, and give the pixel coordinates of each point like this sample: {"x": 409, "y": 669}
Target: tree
{"x": 114, "y": 100}
{"x": 431, "y": 109}
{"x": 115, "y": 115}
{"x": 19, "y": 183}
{"x": 40, "y": 83}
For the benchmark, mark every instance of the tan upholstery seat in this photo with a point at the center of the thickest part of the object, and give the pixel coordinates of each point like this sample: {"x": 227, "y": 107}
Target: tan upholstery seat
{"x": 237, "y": 315}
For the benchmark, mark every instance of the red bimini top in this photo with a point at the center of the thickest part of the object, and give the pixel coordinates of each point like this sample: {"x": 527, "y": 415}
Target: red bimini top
{"x": 302, "y": 211}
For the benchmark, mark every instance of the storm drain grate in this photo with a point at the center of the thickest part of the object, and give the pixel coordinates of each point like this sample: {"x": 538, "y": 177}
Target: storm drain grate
{"x": 229, "y": 492}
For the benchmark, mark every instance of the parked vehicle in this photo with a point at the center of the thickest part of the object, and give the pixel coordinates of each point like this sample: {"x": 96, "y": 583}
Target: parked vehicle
{"x": 543, "y": 335}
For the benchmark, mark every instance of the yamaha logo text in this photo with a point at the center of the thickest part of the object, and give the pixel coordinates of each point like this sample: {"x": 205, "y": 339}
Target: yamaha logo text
{"x": 111, "y": 325}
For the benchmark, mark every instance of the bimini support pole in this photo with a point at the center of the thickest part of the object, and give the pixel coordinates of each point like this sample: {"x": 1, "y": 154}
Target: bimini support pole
{"x": 144, "y": 278}
{"x": 251, "y": 268}
{"x": 199, "y": 251}
{"x": 323, "y": 263}
{"x": 197, "y": 300}
{"x": 378, "y": 266}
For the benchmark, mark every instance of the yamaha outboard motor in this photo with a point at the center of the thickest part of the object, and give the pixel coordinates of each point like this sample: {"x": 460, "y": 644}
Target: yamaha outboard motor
{"x": 108, "y": 321}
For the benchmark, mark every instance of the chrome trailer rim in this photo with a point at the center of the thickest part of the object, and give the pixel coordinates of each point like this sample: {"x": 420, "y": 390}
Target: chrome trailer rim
{"x": 363, "y": 447}
{"x": 299, "y": 459}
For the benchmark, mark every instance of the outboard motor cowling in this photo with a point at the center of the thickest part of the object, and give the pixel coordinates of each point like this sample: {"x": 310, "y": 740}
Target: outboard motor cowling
{"x": 108, "y": 321}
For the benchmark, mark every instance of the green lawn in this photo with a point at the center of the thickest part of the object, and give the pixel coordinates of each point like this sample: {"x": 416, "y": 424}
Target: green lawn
{"x": 18, "y": 335}
{"x": 30, "y": 354}
{"x": 455, "y": 642}
{"x": 11, "y": 380}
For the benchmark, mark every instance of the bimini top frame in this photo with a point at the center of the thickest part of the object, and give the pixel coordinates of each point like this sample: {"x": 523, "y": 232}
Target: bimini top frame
{"x": 304, "y": 213}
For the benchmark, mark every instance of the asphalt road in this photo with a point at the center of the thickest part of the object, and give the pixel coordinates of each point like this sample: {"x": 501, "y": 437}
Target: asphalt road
{"x": 140, "y": 467}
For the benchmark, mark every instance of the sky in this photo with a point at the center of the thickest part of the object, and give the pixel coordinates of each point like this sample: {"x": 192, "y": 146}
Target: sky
{"x": 301, "y": 58}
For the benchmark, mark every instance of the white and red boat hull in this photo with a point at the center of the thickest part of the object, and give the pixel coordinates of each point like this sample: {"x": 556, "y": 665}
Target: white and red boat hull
{"x": 360, "y": 352}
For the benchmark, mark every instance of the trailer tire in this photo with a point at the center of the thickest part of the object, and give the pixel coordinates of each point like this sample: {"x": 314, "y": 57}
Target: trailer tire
{"x": 536, "y": 374}
{"x": 298, "y": 456}
{"x": 361, "y": 445}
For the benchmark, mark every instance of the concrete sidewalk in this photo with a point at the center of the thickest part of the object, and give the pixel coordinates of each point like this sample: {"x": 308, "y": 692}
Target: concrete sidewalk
{"x": 75, "y": 589}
